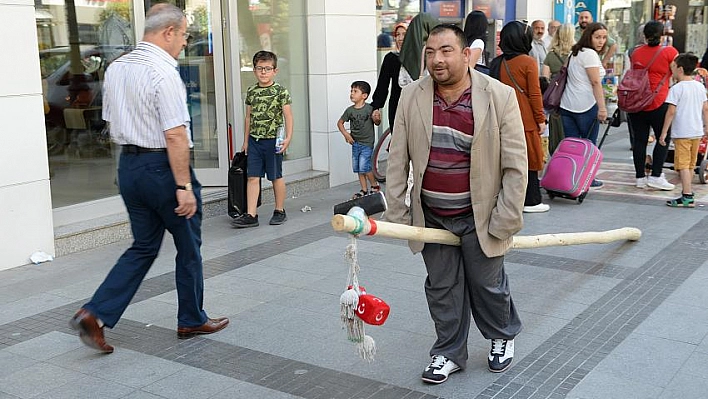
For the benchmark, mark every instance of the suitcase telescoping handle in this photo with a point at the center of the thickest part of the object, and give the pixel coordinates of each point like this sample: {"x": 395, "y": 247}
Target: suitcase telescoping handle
{"x": 230, "y": 140}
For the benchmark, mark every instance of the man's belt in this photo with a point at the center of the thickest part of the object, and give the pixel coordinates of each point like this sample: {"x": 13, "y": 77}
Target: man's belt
{"x": 134, "y": 149}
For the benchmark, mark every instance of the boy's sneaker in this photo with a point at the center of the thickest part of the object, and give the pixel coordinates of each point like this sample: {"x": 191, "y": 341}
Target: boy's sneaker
{"x": 682, "y": 202}
{"x": 279, "y": 217}
{"x": 439, "y": 369}
{"x": 659, "y": 183}
{"x": 245, "y": 220}
{"x": 501, "y": 355}
{"x": 642, "y": 182}
{"x": 596, "y": 183}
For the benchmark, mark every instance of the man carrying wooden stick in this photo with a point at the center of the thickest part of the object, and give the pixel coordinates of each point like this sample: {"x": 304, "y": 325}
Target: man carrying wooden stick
{"x": 462, "y": 133}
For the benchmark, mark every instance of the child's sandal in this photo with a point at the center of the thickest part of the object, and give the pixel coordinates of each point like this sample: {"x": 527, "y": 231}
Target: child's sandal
{"x": 360, "y": 194}
{"x": 376, "y": 188}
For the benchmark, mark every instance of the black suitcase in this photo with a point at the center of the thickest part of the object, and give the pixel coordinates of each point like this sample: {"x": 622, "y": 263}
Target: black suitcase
{"x": 238, "y": 181}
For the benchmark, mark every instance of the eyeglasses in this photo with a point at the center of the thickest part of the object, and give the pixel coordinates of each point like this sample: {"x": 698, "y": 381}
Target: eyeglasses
{"x": 263, "y": 68}
{"x": 186, "y": 35}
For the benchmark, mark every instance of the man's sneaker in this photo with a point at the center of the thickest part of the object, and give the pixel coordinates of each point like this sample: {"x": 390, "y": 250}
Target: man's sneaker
{"x": 439, "y": 369}
{"x": 659, "y": 183}
{"x": 501, "y": 355}
{"x": 540, "y": 208}
{"x": 682, "y": 202}
{"x": 642, "y": 182}
{"x": 245, "y": 220}
{"x": 279, "y": 217}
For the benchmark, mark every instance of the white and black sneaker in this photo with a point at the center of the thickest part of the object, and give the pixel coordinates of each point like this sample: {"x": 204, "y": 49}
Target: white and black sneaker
{"x": 439, "y": 369}
{"x": 501, "y": 355}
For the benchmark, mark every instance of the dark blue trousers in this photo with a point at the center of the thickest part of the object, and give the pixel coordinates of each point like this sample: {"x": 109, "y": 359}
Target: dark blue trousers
{"x": 147, "y": 187}
{"x": 581, "y": 125}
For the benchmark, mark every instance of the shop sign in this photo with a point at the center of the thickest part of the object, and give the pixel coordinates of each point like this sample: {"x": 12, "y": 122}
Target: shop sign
{"x": 567, "y": 11}
{"x": 445, "y": 9}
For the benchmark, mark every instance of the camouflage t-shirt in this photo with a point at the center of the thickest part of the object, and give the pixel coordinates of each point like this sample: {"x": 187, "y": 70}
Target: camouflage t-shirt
{"x": 266, "y": 109}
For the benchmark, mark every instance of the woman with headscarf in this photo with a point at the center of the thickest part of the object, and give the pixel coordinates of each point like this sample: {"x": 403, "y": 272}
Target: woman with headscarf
{"x": 388, "y": 76}
{"x": 652, "y": 116}
{"x": 519, "y": 70}
{"x": 412, "y": 49}
{"x": 476, "y": 34}
{"x": 583, "y": 101}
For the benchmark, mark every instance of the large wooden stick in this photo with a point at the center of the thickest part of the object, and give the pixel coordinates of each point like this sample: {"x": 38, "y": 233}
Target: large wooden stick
{"x": 352, "y": 225}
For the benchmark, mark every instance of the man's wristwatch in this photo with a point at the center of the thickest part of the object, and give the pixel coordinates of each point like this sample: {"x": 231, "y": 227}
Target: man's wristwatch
{"x": 186, "y": 187}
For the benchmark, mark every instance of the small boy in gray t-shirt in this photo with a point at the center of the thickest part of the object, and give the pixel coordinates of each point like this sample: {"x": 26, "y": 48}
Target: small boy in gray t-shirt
{"x": 360, "y": 135}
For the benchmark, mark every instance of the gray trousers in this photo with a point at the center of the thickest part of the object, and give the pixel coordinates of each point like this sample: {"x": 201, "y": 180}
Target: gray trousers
{"x": 463, "y": 279}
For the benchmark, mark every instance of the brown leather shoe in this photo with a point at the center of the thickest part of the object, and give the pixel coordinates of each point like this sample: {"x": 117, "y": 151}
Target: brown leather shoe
{"x": 90, "y": 333}
{"x": 210, "y": 327}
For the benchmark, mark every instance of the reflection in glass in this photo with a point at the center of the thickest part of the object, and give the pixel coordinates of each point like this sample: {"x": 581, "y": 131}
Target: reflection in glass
{"x": 77, "y": 42}
{"x": 278, "y": 26}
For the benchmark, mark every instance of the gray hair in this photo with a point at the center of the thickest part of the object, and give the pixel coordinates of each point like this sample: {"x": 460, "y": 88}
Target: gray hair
{"x": 161, "y": 16}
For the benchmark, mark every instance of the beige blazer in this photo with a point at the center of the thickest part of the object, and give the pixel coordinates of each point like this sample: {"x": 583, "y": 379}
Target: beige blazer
{"x": 498, "y": 165}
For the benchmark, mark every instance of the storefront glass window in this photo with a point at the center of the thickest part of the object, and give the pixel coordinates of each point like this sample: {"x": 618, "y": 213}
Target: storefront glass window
{"x": 278, "y": 26}
{"x": 685, "y": 24}
{"x": 389, "y": 13}
{"x": 77, "y": 41}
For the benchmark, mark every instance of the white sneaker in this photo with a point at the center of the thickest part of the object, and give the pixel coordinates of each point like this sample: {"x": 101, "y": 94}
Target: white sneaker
{"x": 439, "y": 369}
{"x": 501, "y": 355}
{"x": 642, "y": 182}
{"x": 540, "y": 208}
{"x": 659, "y": 183}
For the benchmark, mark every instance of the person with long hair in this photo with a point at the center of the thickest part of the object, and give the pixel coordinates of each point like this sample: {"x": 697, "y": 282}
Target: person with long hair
{"x": 476, "y": 35}
{"x": 652, "y": 116}
{"x": 516, "y": 68}
{"x": 388, "y": 77}
{"x": 561, "y": 44}
{"x": 583, "y": 101}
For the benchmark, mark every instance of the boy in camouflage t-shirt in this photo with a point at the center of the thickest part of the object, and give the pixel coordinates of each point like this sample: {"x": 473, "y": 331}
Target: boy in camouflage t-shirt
{"x": 267, "y": 105}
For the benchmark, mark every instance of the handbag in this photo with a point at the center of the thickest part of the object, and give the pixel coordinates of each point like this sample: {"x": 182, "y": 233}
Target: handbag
{"x": 554, "y": 93}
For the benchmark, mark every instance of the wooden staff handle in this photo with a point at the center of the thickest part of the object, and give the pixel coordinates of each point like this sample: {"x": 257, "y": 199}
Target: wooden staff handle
{"x": 352, "y": 225}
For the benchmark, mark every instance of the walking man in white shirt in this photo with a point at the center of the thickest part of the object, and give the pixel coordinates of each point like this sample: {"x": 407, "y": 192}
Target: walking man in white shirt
{"x": 145, "y": 102}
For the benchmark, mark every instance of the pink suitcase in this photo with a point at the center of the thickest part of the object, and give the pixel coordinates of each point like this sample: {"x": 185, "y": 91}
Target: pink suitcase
{"x": 571, "y": 169}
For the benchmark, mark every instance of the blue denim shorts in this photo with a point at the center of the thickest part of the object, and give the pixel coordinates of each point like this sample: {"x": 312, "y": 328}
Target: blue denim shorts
{"x": 361, "y": 158}
{"x": 262, "y": 159}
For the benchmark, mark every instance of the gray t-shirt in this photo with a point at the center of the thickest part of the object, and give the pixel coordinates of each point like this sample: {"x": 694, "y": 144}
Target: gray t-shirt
{"x": 361, "y": 126}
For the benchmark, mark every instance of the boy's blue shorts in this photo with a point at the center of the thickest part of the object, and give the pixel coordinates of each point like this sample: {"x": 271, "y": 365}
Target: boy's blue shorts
{"x": 262, "y": 159}
{"x": 361, "y": 158}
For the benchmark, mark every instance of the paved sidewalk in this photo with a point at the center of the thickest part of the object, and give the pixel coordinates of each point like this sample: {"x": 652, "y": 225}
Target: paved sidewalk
{"x": 620, "y": 320}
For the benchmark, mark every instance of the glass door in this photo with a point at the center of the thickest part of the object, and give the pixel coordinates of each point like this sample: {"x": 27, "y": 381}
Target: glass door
{"x": 202, "y": 69}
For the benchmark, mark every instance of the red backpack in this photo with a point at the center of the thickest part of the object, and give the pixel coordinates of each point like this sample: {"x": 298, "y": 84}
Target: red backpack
{"x": 634, "y": 92}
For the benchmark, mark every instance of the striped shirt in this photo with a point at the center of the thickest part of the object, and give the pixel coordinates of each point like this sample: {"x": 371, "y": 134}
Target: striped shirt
{"x": 143, "y": 96}
{"x": 446, "y": 183}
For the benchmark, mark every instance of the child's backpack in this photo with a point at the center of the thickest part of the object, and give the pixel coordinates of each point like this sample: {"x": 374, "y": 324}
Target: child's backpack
{"x": 634, "y": 92}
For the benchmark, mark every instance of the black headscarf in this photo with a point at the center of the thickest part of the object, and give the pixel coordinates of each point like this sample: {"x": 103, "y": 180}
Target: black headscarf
{"x": 515, "y": 39}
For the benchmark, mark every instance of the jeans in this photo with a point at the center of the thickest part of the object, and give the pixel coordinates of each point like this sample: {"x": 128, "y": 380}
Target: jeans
{"x": 582, "y": 125}
{"x": 641, "y": 122}
{"x": 148, "y": 190}
{"x": 361, "y": 158}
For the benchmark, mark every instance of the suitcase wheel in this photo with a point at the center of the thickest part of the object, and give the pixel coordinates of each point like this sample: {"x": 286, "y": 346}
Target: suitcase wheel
{"x": 581, "y": 197}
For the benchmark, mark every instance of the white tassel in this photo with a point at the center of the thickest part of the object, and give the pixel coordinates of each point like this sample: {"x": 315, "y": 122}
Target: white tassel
{"x": 347, "y": 305}
{"x": 367, "y": 348}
